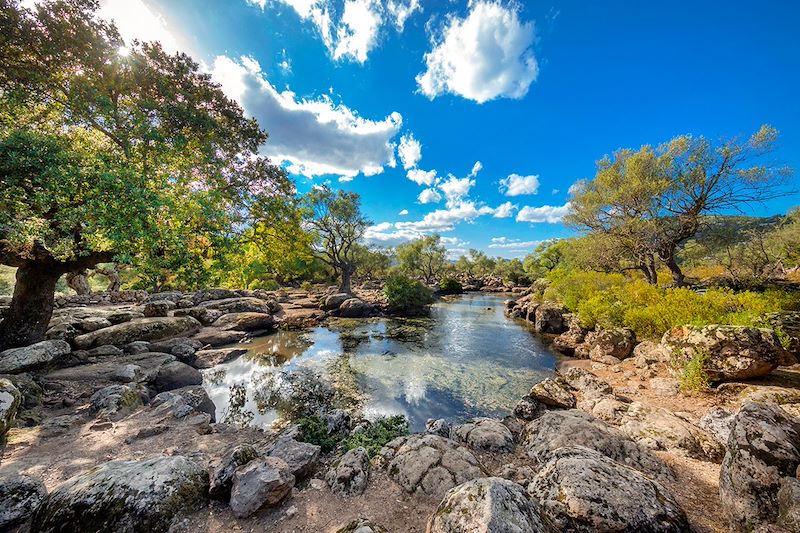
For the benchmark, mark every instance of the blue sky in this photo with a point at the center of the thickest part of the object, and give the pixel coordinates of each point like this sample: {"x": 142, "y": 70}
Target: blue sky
{"x": 375, "y": 96}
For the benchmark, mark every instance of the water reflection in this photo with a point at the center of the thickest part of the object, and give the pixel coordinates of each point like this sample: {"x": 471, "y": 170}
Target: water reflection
{"x": 465, "y": 360}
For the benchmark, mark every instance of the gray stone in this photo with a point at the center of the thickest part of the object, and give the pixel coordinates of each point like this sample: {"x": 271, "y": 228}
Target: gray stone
{"x": 93, "y": 323}
{"x": 16, "y": 360}
{"x": 550, "y": 392}
{"x": 126, "y": 496}
{"x": 789, "y": 504}
{"x": 350, "y": 475}
{"x": 216, "y": 337}
{"x": 175, "y": 375}
{"x": 128, "y": 373}
{"x": 243, "y": 305}
{"x": 20, "y": 496}
{"x": 361, "y": 525}
{"x": 608, "y": 346}
{"x": 664, "y": 386}
{"x": 335, "y": 300}
{"x": 528, "y": 408}
{"x": 204, "y": 315}
{"x": 116, "y": 400}
{"x": 221, "y": 475}
{"x": 158, "y": 308}
{"x": 217, "y": 356}
{"x": 245, "y": 321}
{"x": 429, "y": 464}
{"x": 485, "y": 434}
{"x": 180, "y": 402}
{"x": 718, "y": 423}
{"x": 105, "y": 351}
{"x": 549, "y": 318}
{"x": 10, "y": 400}
{"x": 301, "y": 457}
{"x": 763, "y": 447}
{"x": 142, "y": 329}
{"x": 583, "y": 381}
{"x": 582, "y": 490}
{"x": 486, "y": 505}
{"x": 355, "y": 308}
{"x": 439, "y": 427}
{"x": 261, "y": 482}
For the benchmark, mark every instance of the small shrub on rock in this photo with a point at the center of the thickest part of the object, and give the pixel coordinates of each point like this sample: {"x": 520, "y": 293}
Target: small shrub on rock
{"x": 314, "y": 430}
{"x": 378, "y": 434}
{"x": 406, "y": 294}
{"x": 694, "y": 376}
{"x": 450, "y": 286}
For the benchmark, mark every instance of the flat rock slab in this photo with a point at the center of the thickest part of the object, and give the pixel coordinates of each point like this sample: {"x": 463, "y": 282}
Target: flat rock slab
{"x": 37, "y": 355}
{"x": 142, "y": 329}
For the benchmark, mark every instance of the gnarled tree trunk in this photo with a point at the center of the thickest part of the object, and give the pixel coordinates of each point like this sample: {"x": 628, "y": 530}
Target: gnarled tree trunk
{"x": 26, "y": 321}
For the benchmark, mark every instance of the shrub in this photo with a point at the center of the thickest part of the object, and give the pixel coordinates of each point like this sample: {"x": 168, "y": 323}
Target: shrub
{"x": 694, "y": 376}
{"x": 265, "y": 284}
{"x": 450, "y": 286}
{"x": 5, "y": 287}
{"x": 306, "y": 285}
{"x": 314, "y": 430}
{"x": 407, "y": 294}
{"x": 378, "y": 434}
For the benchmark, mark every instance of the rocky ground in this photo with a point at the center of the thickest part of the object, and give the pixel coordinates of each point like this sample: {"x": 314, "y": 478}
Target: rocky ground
{"x": 109, "y": 429}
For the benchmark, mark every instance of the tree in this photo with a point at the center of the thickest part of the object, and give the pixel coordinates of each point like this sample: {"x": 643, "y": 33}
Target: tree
{"x": 547, "y": 256}
{"x": 105, "y": 156}
{"x": 337, "y": 224}
{"x": 425, "y": 257}
{"x": 373, "y": 262}
{"x": 652, "y": 200}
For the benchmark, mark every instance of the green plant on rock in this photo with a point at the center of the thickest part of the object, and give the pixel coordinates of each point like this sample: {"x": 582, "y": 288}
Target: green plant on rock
{"x": 314, "y": 430}
{"x": 378, "y": 434}
{"x": 694, "y": 376}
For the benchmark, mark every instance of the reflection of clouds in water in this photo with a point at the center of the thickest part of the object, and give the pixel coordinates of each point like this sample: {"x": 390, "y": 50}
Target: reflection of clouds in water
{"x": 415, "y": 388}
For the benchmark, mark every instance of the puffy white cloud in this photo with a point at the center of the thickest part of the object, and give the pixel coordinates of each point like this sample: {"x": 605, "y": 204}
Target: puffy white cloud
{"x": 516, "y": 185}
{"x": 410, "y": 151}
{"x": 353, "y": 31}
{"x": 486, "y": 55}
{"x": 504, "y": 243}
{"x": 404, "y": 212}
{"x": 577, "y": 187}
{"x": 505, "y": 210}
{"x": 455, "y": 190}
{"x": 315, "y": 137}
{"x": 422, "y": 177}
{"x": 545, "y": 213}
{"x": 429, "y": 196}
{"x": 477, "y": 167}
{"x": 446, "y": 219}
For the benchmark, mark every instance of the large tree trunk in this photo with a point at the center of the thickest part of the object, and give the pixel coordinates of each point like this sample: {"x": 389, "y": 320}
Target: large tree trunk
{"x": 79, "y": 282}
{"x": 26, "y": 321}
{"x": 347, "y": 274}
{"x": 668, "y": 257}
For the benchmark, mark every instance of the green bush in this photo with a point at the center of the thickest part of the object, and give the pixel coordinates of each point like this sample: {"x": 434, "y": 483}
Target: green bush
{"x": 314, "y": 430}
{"x": 407, "y": 294}
{"x": 5, "y": 288}
{"x": 450, "y": 286}
{"x": 266, "y": 285}
{"x": 694, "y": 376}
{"x": 378, "y": 434}
{"x": 306, "y": 286}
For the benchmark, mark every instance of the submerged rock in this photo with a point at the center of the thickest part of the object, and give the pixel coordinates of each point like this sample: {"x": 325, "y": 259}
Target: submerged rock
{"x": 127, "y": 496}
{"x": 20, "y": 496}
{"x": 261, "y": 482}
{"x": 582, "y": 490}
{"x": 486, "y": 505}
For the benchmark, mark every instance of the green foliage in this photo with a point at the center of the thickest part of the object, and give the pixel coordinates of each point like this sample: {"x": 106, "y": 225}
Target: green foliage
{"x": 407, "y": 294}
{"x": 450, "y": 286}
{"x": 306, "y": 286}
{"x": 5, "y": 287}
{"x": 547, "y": 256}
{"x": 425, "y": 257}
{"x": 378, "y": 434}
{"x": 373, "y": 262}
{"x": 477, "y": 263}
{"x": 512, "y": 271}
{"x": 314, "y": 430}
{"x": 612, "y": 300}
{"x": 694, "y": 376}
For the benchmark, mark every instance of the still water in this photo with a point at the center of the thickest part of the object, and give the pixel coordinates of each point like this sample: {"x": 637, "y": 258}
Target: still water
{"x": 467, "y": 359}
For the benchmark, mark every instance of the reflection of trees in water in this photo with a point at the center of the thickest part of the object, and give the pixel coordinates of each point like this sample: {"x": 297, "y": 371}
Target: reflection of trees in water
{"x": 278, "y": 348}
{"x": 214, "y": 376}
{"x": 294, "y": 394}
{"x": 236, "y": 414}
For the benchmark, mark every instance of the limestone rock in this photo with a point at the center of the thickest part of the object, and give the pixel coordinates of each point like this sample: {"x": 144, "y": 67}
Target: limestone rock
{"x": 221, "y": 475}
{"x": 37, "y": 355}
{"x": 143, "y": 329}
{"x": 733, "y": 352}
{"x": 549, "y": 318}
{"x": 245, "y": 321}
{"x": 261, "y": 482}
{"x": 551, "y": 393}
{"x": 350, "y": 475}
{"x": 10, "y": 400}
{"x": 568, "y": 342}
{"x": 485, "y": 434}
{"x": 429, "y": 464}
{"x": 301, "y": 457}
{"x": 573, "y": 491}
{"x": 763, "y": 447}
{"x": 20, "y": 496}
{"x": 608, "y": 346}
{"x": 583, "y": 381}
{"x": 127, "y": 496}
{"x": 486, "y": 505}
{"x": 116, "y": 400}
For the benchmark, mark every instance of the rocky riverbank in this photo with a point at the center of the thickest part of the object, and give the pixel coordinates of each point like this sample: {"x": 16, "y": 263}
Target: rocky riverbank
{"x": 108, "y": 428}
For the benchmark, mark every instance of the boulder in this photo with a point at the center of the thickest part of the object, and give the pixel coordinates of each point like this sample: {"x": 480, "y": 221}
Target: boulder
{"x": 20, "y": 496}
{"x": 528, "y": 408}
{"x": 486, "y": 505}
{"x": 550, "y": 392}
{"x": 567, "y": 342}
{"x": 789, "y": 504}
{"x": 10, "y": 400}
{"x": 334, "y": 301}
{"x": 731, "y": 352}
{"x": 355, "y": 308}
{"x": 485, "y": 434}
{"x": 116, "y": 400}
{"x": 142, "y": 329}
{"x": 608, "y": 346}
{"x": 204, "y": 315}
{"x": 549, "y": 318}
{"x": 93, "y": 323}
{"x": 205, "y": 295}
{"x": 763, "y": 447}
{"x": 245, "y": 321}
{"x": 213, "y": 357}
{"x": 184, "y": 401}
{"x": 31, "y": 357}
{"x": 301, "y": 457}
{"x": 221, "y": 474}
{"x": 574, "y": 491}
{"x": 261, "y": 482}
{"x": 127, "y": 496}
{"x": 216, "y": 337}
{"x": 664, "y": 386}
{"x": 175, "y": 375}
{"x": 158, "y": 308}
{"x": 583, "y": 381}
{"x": 648, "y": 353}
{"x": 128, "y": 373}
{"x": 172, "y": 296}
{"x": 718, "y": 423}
{"x": 246, "y": 304}
{"x": 429, "y": 464}
{"x": 350, "y": 474}
{"x": 556, "y": 429}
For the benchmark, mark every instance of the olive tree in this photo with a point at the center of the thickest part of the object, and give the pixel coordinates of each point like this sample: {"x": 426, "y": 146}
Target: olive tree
{"x": 425, "y": 257}
{"x": 107, "y": 156}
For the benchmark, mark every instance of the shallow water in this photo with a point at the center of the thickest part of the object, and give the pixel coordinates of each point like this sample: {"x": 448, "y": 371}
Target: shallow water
{"x": 467, "y": 359}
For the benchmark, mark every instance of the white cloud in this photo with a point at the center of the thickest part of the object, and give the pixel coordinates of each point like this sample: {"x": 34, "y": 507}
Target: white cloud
{"x": 477, "y": 167}
{"x": 352, "y": 32}
{"x": 345, "y": 179}
{"x": 504, "y": 243}
{"x": 556, "y": 191}
{"x": 315, "y": 137}
{"x": 505, "y": 210}
{"x": 577, "y": 187}
{"x": 422, "y": 177}
{"x": 135, "y": 20}
{"x": 404, "y": 212}
{"x": 285, "y": 63}
{"x": 481, "y": 57}
{"x": 410, "y": 151}
{"x": 545, "y": 213}
{"x": 429, "y": 196}
{"x": 446, "y": 219}
{"x": 516, "y": 185}
{"x": 455, "y": 190}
